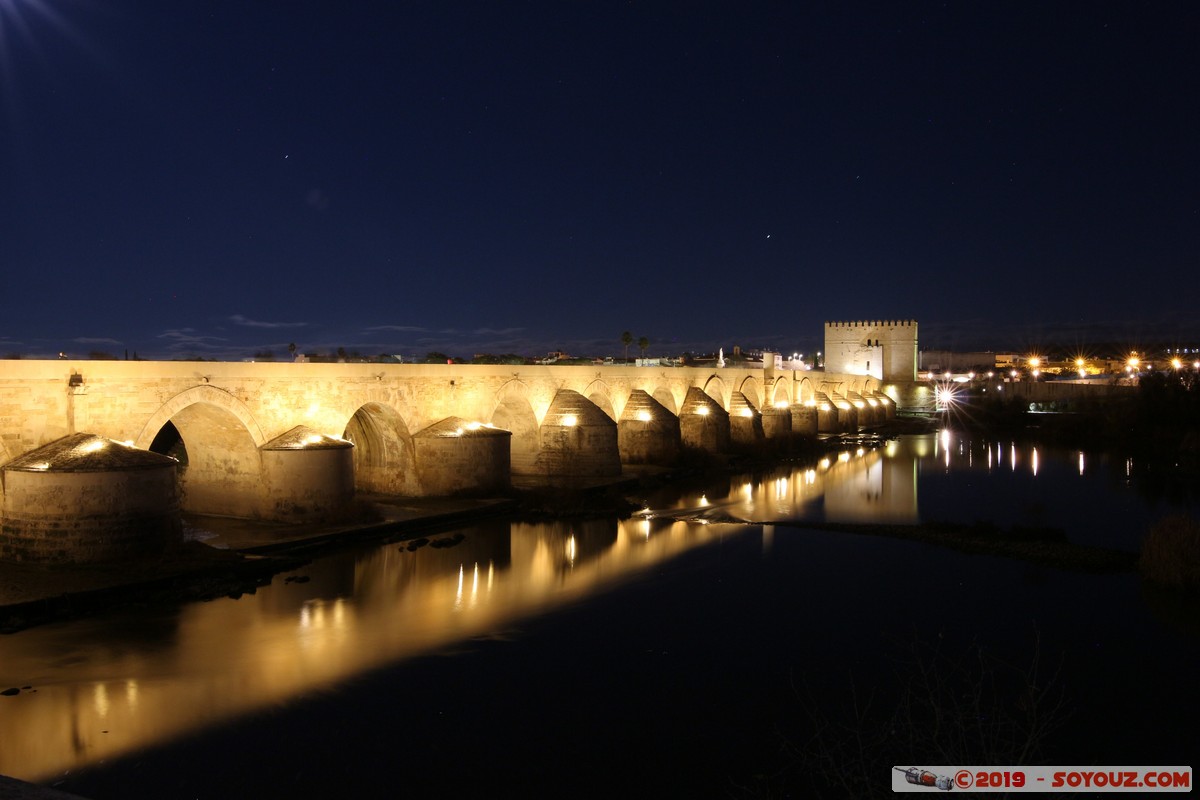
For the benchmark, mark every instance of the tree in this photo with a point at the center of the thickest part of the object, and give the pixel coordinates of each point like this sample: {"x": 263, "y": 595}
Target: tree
{"x": 643, "y": 343}
{"x": 626, "y": 339}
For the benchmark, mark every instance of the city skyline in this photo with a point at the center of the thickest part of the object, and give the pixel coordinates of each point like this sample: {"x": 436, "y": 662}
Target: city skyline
{"x": 465, "y": 178}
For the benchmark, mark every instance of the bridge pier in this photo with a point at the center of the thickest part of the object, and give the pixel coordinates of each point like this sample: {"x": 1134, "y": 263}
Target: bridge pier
{"x": 703, "y": 423}
{"x": 745, "y": 423}
{"x": 307, "y": 476}
{"x": 577, "y": 439}
{"x": 84, "y": 498}
{"x": 456, "y": 457}
{"x": 776, "y": 422}
{"x": 805, "y": 419}
{"x": 647, "y": 432}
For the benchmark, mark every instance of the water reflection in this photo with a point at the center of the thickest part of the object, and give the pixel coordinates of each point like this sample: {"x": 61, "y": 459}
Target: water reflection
{"x": 107, "y": 686}
{"x": 855, "y": 485}
{"x": 104, "y": 687}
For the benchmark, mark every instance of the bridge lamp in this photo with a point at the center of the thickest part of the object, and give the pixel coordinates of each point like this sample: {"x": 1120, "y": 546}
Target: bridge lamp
{"x": 1176, "y": 363}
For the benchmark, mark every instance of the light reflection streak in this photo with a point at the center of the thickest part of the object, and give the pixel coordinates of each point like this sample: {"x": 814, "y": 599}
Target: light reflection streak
{"x": 360, "y": 612}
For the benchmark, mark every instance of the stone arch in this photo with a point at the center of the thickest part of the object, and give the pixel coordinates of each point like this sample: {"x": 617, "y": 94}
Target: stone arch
{"x": 664, "y": 396}
{"x": 807, "y": 391}
{"x": 833, "y": 387}
{"x": 222, "y": 469}
{"x": 715, "y": 388}
{"x": 752, "y": 391}
{"x": 780, "y": 393}
{"x": 209, "y": 395}
{"x": 514, "y": 413}
{"x": 599, "y": 393}
{"x": 384, "y": 458}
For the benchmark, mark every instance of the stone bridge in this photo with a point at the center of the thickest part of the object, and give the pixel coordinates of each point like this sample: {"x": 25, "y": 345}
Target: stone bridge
{"x": 241, "y": 431}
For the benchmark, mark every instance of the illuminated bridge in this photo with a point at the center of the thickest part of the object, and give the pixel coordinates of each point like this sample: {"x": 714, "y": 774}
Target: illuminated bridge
{"x": 297, "y": 440}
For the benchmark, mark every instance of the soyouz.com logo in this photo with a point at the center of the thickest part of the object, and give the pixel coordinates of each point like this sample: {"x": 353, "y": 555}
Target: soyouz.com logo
{"x": 1042, "y": 779}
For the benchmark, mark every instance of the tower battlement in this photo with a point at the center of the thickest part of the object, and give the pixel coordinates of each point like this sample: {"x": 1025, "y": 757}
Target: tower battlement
{"x": 891, "y": 323}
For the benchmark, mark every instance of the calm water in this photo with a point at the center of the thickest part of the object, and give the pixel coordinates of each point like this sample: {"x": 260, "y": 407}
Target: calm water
{"x": 662, "y": 654}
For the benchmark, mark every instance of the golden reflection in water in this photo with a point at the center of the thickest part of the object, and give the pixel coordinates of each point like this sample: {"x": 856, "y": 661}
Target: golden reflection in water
{"x": 105, "y": 687}
{"x": 109, "y": 686}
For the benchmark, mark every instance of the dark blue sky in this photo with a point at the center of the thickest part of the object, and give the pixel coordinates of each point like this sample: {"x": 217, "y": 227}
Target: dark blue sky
{"x": 215, "y": 178}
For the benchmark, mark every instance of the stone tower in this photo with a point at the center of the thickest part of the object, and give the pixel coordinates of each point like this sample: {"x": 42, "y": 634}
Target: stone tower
{"x": 883, "y": 349}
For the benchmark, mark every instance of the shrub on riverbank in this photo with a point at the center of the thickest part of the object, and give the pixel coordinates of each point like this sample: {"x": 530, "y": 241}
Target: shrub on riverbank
{"x": 1171, "y": 553}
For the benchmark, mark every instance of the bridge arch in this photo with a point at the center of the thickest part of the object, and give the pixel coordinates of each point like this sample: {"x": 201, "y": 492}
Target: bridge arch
{"x": 806, "y": 391}
{"x": 514, "y": 413}
{"x": 206, "y": 395}
{"x": 715, "y": 388}
{"x": 384, "y": 458}
{"x": 218, "y": 439}
{"x": 780, "y": 393}
{"x": 752, "y": 391}
{"x": 599, "y": 393}
{"x": 666, "y": 397}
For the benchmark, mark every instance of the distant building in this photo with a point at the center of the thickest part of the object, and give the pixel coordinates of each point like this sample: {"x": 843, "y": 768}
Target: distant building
{"x": 960, "y": 361}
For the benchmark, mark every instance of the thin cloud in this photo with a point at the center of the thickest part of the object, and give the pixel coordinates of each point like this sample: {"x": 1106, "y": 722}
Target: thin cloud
{"x": 396, "y": 329}
{"x": 238, "y": 319}
{"x": 183, "y": 338}
{"x": 94, "y": 340}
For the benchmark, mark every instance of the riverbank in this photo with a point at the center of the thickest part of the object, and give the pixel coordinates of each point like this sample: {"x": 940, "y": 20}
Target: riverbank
{"x": 220, "y": 557}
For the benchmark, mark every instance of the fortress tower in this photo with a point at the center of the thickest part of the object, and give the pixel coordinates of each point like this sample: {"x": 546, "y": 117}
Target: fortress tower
{"x": 884, "y": 349}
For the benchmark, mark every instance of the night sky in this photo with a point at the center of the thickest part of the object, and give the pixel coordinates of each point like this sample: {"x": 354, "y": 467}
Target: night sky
{"x": 219, "y": 178}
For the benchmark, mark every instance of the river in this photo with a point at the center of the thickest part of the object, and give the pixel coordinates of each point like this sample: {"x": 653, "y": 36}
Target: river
{"x": 686, "y": 649}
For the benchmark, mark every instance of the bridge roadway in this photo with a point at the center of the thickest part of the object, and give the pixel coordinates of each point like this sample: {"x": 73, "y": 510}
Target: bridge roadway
{"x": 561, "y": 419}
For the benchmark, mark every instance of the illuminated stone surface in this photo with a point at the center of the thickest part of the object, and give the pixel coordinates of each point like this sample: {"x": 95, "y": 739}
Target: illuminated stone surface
{"x": 84, "y": 498}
